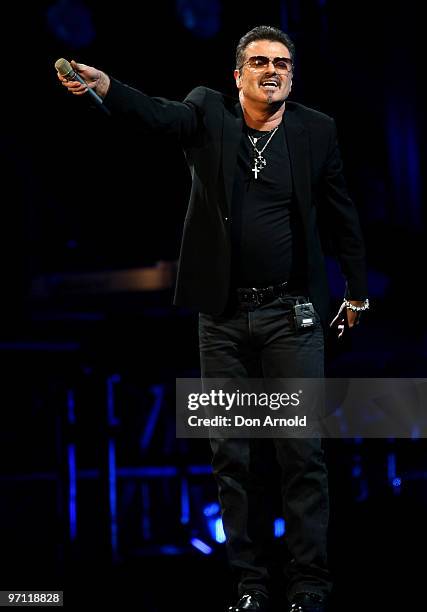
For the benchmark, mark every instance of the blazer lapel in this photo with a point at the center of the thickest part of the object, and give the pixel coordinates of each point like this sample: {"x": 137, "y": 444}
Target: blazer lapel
{"x": 231, "y": 136}
{"x": 299, "y": 154}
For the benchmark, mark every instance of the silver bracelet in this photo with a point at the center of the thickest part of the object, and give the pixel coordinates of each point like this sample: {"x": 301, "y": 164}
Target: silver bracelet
{"x": 357, "y": 308}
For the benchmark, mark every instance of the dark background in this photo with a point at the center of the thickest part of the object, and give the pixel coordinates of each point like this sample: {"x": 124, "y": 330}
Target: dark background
{"x": 98, "y": 497}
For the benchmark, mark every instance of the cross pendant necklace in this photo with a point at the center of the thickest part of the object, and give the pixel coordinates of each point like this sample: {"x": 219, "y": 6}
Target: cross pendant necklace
{"x": 259, "y": 161}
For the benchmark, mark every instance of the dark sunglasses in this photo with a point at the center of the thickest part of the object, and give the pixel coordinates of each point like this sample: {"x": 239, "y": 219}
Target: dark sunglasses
{"x": 260, "y": 62}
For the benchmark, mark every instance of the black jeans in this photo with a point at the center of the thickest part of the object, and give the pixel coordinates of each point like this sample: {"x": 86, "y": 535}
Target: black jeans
{"x": 261, "y": 342}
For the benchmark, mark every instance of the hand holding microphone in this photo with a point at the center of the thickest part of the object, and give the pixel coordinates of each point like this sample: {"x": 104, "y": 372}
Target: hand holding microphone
{"x": 79, "y": 79}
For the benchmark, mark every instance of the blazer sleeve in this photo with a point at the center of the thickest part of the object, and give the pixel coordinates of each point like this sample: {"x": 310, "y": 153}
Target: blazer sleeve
{"x": 343, "y": 222}
{"x": 181, "y": 120}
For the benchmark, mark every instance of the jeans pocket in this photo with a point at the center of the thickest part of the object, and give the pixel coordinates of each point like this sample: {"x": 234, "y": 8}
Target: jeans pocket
{"x": 289, "y": 301}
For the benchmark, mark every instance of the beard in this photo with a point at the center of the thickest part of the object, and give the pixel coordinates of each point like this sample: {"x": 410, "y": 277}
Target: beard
{"x": 274, "y": 104}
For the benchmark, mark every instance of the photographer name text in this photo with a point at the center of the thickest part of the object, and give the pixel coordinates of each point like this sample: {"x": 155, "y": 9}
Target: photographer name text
{"x": 240, "y": 421}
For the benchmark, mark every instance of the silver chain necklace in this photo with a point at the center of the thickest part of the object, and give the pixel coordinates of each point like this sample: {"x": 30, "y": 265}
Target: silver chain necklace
{"x": 259, "y": 161}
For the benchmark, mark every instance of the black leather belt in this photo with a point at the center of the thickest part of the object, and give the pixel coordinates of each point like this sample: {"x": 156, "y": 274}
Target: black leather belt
{"x": 261, "y": 295}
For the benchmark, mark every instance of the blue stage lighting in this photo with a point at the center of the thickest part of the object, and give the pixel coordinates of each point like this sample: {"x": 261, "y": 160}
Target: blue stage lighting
{"x": 113, "y": 495}
{"x": 185, "y": 502}
{"x": 170, "y": 550}
{"x": 201, "y": 17}
{"x": 211, "y": 509}
{"x": 72, "y": 473}
{"x": 279, "y": 527}
{"x": 219, "y": 531}
{"x": 159, "y": 392}
{"x": 71, "y": 22}
{"x": 202, "y": 546}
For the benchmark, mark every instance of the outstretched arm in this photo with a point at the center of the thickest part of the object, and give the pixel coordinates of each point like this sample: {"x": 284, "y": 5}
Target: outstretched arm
{"x": 182, "y": 120}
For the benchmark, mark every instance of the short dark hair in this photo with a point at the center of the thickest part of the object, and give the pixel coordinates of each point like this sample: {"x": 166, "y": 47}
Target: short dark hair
{"x": 263, "y": 32}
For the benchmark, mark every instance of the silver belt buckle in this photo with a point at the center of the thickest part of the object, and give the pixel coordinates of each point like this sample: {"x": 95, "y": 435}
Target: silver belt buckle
{"x": 256, "y": 296}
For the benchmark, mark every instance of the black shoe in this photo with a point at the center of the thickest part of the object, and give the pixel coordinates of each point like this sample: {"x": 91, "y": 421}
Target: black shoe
{"x": 251, "y": 601}
{"x": 307, "y": 602}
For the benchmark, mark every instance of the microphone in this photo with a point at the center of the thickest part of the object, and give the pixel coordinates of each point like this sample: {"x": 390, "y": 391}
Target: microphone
{"x": 66, "y": 70}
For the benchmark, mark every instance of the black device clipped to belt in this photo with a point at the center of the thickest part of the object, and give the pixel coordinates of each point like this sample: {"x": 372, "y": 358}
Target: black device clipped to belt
{"x": 304, "y": 315}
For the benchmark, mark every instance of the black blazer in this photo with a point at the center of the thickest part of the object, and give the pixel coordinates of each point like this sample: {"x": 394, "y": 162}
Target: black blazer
{"x": 209, "y": 126}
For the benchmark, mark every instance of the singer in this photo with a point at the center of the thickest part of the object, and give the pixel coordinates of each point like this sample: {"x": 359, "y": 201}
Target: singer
{"x": 264, "y": 171}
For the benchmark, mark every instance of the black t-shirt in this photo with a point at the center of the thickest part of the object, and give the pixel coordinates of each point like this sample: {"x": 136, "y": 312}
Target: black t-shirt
{"x": 267, "y": 241}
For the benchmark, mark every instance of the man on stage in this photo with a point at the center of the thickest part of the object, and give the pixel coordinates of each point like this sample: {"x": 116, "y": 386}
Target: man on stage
{"x": 264, "y": 170}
